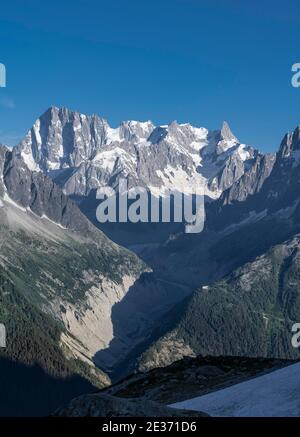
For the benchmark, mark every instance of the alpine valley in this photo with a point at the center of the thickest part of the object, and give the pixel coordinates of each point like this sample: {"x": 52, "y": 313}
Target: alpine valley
{"x": 85, "y": 304}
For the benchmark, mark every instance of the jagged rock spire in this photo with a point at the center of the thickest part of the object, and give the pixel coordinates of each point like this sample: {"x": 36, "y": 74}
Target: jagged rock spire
{"x": 290, "y": 143}
{"x": 226, "y": 133}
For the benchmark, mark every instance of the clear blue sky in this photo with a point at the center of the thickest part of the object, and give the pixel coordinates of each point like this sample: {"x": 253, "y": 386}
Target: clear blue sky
{"x": 189, "y": 60}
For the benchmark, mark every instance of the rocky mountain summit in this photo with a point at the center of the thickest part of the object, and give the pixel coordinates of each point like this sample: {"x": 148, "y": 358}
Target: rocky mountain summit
{"x": 83, "y": 153}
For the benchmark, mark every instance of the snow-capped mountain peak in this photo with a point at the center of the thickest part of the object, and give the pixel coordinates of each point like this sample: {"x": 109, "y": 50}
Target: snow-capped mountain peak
{"x": 84, "y": 152}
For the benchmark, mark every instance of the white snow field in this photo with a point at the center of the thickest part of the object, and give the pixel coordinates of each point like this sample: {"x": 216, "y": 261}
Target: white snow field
{"x": 273, "y": 394}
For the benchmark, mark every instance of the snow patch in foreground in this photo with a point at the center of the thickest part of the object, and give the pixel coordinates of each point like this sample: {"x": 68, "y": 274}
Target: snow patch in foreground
{"x": 273, "y": 394}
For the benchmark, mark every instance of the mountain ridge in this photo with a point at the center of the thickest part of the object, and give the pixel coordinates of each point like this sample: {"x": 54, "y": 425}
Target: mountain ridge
{"x": 62, "y": 139}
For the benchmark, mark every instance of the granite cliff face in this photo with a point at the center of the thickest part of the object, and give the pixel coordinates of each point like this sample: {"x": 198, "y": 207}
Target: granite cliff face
{"x": 39, "y": 194}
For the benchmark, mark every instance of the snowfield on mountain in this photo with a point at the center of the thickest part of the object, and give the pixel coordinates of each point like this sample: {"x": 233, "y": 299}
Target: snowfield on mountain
{"x": 276, "y": 394}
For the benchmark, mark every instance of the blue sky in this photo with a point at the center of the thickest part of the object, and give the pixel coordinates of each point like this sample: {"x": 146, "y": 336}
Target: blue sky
{"x": 186, "y": 60}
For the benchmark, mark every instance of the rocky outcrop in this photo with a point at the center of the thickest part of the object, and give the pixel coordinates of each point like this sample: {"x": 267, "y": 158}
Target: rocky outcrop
{"x": 103, "y": 405}
{"x": 148, "y": 393}
{"x": 190, "y": 377}
{"x": 251, "y": 181}
{"x": 38, "y": 193}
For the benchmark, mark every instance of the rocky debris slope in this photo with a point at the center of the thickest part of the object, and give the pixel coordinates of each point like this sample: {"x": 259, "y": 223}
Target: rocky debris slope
{"x": 58, "y": 272}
